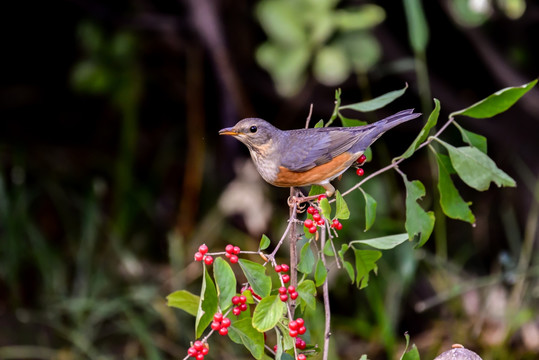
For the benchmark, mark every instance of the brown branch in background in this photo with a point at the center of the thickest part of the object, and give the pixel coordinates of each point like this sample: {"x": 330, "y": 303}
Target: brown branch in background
{"x": 293, "y": 246}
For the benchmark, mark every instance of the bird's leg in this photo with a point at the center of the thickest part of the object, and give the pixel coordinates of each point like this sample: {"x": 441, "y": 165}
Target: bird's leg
{"x": 330, "y": 190}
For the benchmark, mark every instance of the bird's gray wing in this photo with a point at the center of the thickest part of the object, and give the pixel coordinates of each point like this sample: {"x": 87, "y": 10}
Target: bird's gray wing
{"x": 307, "y": 148}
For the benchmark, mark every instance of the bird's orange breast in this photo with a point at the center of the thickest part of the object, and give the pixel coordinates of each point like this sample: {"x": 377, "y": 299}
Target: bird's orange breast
{"x": 318, "y": 174}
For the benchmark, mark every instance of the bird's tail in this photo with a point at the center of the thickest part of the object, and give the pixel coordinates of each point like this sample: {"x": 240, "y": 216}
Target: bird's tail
{"x": 372, "y": 132}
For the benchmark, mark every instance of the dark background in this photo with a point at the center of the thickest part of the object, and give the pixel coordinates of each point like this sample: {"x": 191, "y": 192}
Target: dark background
{"x": 110, "y": 183}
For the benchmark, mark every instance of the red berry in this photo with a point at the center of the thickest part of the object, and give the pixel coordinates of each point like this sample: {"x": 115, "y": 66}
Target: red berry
{"x": 283, "y": 297}
{"x": 302, "y": 330}
{"x": 243, "y": 307}
{"x": 291, "y": 289}
{"x": 320, "y": 222}
{"x": 311, "y": 210}
{"x": 278, "y": 268}
{"x": 335, "y": 221}
{"x": 218, "y": 317}
{"x": 293, "y": 325}
{"x": 286, "y": 278}
{"x": 198, "y": 256}
{"x": 302, "y": 357}
{"x": 200, "y": 356}
{"x": 223, "y": 331}
{"x": 192, "y": 351}
{"x": 361, "y": 159}
{"x": 205, "y": 350}
{"x": 243, "y": 299}
{"x": 236, "y": 250}
{"x": 229, "y": 248}
{"x": 300, "y": 321}
{"x": 208, "y": 260}
{"x": 228, "y": 255}
{"x": 215, "y": 325}
{"x": 235, "y": 300}
{"x": 234, "y": 259}
{"x": 198, "y": 345}
{"x": 338, "y": 226}
{"x": 293, "y": 333}
{"x": 322, "y": 196}
{"x": 300, "y": 344}
{"x": 308, "y": 223}
{"x": 275, "y": 348}
{"x": 317, "y": 217}
{"x": 282, "y": 290}
{"x": 360, "y": 172}
{"x": 294, "y": 295}
{"x": 236, "y": 311}
{"x": 203, "y": 249}
{"x": 226, "y": 322}
{"x": 313, "y": 229}
{"x": 285, "y": 267}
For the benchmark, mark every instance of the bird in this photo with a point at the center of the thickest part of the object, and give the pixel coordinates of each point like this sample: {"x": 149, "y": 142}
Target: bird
{"x": 309, "y": 156}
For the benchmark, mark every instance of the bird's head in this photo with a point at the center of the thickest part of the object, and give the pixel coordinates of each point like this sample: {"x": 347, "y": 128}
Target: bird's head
{"x": 253, "y": 132}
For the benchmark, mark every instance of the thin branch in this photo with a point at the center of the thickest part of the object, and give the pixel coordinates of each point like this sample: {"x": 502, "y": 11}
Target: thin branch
{"x": 309, "y": 117}
{"x": 325, "y": 294}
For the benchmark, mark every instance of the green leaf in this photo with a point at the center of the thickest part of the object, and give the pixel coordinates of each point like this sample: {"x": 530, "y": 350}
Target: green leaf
{"x": 319, "y": 124}
{"x": 359, "y": 17}
{"x": 365, "y": 263}
{"x": 328, "y": 248}
{"x": 341, "y": 211}
{"x": 279, "y": 20}
{"x": 418, "y": 30}
{"x": 307, "y": 292}
{"x": 250, "y": 337}
{"x": 184, "y": 300}
{"x": 307, "y": 260}
{"x": 418, "y": 221}
{"x": 473, "y": 139}
{"x": 331, "y": 65}
{"x": 424, "y": 133}
{"x": 349, "y": 270}
{"x": 450, "y": 200}
{"x": 496, "y": 103}
{"x": 412, "y": 354}
{"x": 264, "y": 242}
{"x": 385, "y": 242}
{"x": 475, "y": 168}
{"x": 376, "y": 103}
{"x": 268, "y": 312}
{"x": 370, "y": 210}
{"x": 362, "y": 48}
{"x": 346, "y": 122}
{"x": 225, "y": 281}
{"x": 326, "y": 208}
{"x": 320, "y": 273}
{"x": 207, "y": 306}
{"x": 316, "y": 190}
{"x": 256, "y": 276}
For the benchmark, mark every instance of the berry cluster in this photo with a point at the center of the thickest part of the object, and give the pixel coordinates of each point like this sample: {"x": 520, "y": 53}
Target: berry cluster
{"x": 360, "y": 161}
{"x": 220, "y": 324}
{"x": 300, "y": 343}
{"x": 232, "y": 253}
{"x": 336, "y": 224}
{"x": 312, "y": 225}
{"x": 240, "y": 304}
{"x": 296, "y": 327}
{"x": 283, "y": 268}
{"x": 201, "y": 255}
{"x": 198, "y": 350}
{"x": 290, "y": 290}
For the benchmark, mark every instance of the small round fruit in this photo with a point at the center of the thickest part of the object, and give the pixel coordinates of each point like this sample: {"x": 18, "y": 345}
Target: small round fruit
{"x": 308, "y": 223}
{"x": 311, "y": 210}
{"x": 293, "y": 333}
{"x": 192, "y": 351}
{"x": 291, "y": 289}
{"x": 236, "y": 311}
{"x": 243, "y": 299}
{"x": 236, "y": 250}
{"x": 229, "y": 248}
{"x": 203, "y": 249}
{"x": 198, "y": 345}
{"x": 200, "y": 356}
{"x": 208, "y": 260}
{"x": 278, "y": 268}
{"x": 360, "y": 172}
{"x": 286, "y": 278}
{"x": 215, "y": 325}
{"x": 322, "y": 196}
{"x": 243, "y": 307}
{"x": 223, "y": 331}
{"x": 302, "y": 330}
{"x": 283, "y": 297}
{"x": 300, "y": 321}
{"x": 338, "y": 226}
{"x": 302, "y": 357}
{"x": 198, "y": 256}
{"x": 285, "y": 267}
{"x": 320, "y": 222}
{"x": 205, "y": 351}
{"x": 234, "y": 259}
{"x": 293, "y": 325}
{"x": 313, "y": 229}
{"x": 294, "y": 295}
{"x": 218, "y": 317}
{"x": 317, "y": 217}
{"x": 235, "y": 300}
{"x": 361, "y": 159}
{"x": 282, "y": 290}
{"x": 226, "y": 322}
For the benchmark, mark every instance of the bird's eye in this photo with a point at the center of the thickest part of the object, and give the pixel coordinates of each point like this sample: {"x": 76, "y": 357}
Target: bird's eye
{"x": 253, "y": 129}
